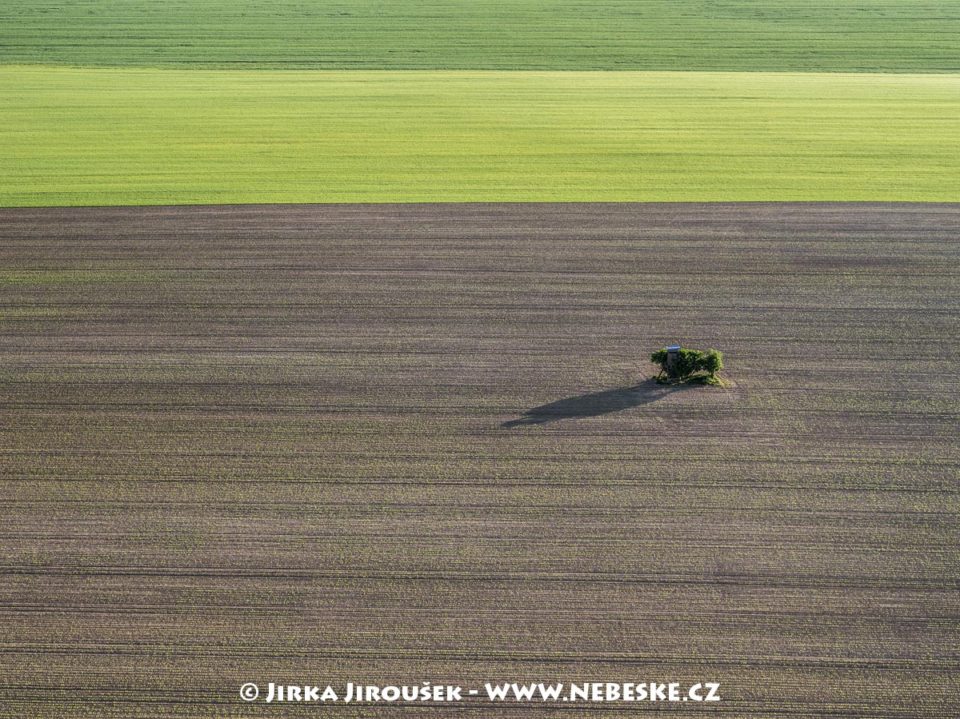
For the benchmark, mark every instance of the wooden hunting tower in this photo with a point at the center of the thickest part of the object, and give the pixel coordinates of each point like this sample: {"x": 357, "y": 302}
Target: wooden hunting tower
{"x": 673, "y": 352}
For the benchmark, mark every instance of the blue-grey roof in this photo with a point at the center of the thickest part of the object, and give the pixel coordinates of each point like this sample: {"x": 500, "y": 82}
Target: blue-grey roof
{"x": 672, "y": 348}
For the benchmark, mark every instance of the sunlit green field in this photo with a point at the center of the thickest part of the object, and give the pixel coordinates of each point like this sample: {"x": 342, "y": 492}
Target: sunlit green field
{"x": 135, "y": 136}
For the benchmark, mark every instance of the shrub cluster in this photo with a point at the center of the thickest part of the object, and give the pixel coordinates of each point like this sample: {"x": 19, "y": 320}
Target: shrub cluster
{"x": 690, "y": 365}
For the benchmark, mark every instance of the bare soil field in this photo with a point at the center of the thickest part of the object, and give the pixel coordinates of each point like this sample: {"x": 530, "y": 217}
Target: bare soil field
{"x": 404, "y": 443}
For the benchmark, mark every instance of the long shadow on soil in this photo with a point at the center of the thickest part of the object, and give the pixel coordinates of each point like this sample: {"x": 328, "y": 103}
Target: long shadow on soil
{"x": 596, "y": 403}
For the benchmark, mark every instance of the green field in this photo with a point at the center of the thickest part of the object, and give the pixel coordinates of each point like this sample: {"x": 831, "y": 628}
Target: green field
{"x": 766, "y": 35}
{"x": 245, "y": 102}
{"x": 89, "y": 137}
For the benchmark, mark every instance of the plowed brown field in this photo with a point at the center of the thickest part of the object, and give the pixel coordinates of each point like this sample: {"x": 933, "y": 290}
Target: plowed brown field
{"x": 406, "y": 443}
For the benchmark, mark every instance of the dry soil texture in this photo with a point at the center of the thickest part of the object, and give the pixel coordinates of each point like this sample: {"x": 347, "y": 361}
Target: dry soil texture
{"x": 402, "y": 443}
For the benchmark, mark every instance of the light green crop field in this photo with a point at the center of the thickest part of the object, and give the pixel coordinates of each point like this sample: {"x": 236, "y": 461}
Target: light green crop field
{"x": 129, "y": 136}
{"x": 748, "y": 35}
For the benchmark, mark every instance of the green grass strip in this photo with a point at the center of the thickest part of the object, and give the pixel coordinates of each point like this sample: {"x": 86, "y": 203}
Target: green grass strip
{"x": 115, "y": 137}
{"x": 746, "y": 35}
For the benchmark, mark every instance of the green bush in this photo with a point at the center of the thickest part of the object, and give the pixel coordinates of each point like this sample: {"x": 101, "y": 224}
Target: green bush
{"x": 690, "y": 365}
{"x": 712, "y": 361}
